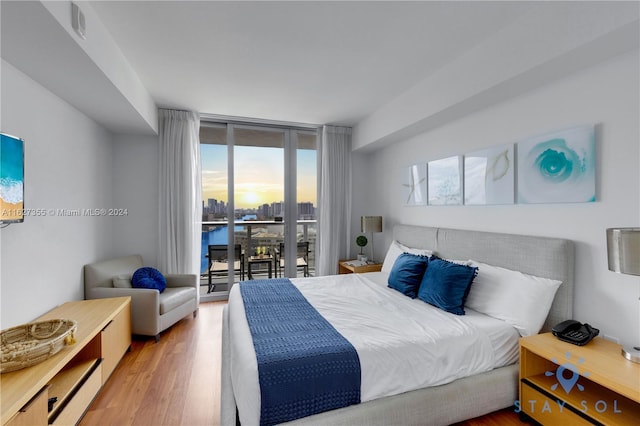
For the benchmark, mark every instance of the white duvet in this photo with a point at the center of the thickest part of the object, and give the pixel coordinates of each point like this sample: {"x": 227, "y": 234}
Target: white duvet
{"x": 403, "y": 344}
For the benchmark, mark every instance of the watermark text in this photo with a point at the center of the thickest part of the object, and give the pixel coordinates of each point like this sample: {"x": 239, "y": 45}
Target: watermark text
{"x": 56, "y": 212}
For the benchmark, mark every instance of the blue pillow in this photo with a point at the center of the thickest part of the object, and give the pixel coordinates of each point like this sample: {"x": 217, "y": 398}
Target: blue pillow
{"x": 446, "y": 285}
{"x": 149, "y": 278}
{"x": 406, "y": 274}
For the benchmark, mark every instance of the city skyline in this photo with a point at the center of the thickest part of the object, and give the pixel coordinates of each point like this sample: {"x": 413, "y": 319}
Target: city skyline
{"x": 259, "y": 175}
{"x": 215, "y": 207}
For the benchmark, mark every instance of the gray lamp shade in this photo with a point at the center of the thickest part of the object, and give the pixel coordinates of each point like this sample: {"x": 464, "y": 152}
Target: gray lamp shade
{"x": 371, "y": 224}
{"x": 623, "y": 250}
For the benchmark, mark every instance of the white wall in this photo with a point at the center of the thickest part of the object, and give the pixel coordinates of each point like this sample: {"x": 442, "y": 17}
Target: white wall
{"x": 606, "y": 95}
{"x": 135, "y": 109}
{"x": 135, "y": 181}
{"x": 68, "y": 165}
{"x": 548, "y": 41}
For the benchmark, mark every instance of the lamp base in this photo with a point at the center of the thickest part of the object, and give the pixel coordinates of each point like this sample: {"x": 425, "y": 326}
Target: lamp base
{"x": 632, "y": 354}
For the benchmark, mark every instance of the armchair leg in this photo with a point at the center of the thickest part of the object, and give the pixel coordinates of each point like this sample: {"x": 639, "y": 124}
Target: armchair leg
{"x": 157, "y": 337}
{"x": 195, "y": 313}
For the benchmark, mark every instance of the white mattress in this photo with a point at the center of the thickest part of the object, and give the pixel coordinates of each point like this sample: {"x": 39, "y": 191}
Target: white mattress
{"x": 403, "y": 344}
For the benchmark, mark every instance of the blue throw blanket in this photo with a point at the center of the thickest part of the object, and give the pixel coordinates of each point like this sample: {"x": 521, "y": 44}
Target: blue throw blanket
{"x": 304, "y": 365}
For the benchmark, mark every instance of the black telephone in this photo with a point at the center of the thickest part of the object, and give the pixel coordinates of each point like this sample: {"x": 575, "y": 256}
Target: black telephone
{"x": 572, "y": 331}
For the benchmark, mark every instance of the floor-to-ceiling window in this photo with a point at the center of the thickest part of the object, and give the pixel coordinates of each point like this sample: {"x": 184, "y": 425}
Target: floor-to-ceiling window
{"x": 259, "y": 186}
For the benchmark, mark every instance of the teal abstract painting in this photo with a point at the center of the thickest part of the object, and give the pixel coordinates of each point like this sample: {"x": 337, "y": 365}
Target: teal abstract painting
{"x": 558, "y": 167}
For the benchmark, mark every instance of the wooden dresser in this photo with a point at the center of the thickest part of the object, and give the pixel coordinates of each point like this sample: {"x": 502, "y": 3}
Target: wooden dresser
{"x": 74, "y": 375}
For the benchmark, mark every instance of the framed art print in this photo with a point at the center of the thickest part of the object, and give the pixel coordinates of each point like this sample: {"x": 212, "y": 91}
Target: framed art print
{"x": 489, "y": 176}
{"x": 414, "y": 185}
{"x": 558, "y": 167}
{"x": 445, "y": 181}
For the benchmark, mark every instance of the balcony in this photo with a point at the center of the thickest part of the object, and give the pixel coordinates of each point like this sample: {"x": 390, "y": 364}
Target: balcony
{"x": 253, "y": 236}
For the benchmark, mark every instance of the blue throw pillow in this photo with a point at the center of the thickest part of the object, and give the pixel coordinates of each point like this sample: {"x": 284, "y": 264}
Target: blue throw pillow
{"x": 406, "y": 274}
{"x": 149, "y": 278}
{"x": 446, "y": 285}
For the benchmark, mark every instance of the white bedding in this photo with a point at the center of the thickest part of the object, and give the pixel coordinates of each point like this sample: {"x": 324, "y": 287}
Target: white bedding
{"x": 403, "y": 344}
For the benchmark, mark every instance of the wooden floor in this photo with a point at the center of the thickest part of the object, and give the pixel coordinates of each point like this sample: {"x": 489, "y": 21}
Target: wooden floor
{"x": 173, "y": 382}
{"x": 177, "y": 381}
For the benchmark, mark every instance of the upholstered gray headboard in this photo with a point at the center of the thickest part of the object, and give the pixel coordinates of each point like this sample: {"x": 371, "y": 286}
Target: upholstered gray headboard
{"x": 540, "y": 256}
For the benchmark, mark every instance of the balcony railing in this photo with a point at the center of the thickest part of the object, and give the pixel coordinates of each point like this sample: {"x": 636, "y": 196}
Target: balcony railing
{"x": 251, "y": 235}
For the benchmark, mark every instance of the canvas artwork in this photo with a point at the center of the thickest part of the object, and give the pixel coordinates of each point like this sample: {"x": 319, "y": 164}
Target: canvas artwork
{"x": 489, "y": 176}
{"x": 11, "y": 179}
{"x": 445, "y": 181}
{"x": 414, "y": 185}
{"x": 558, "y": 167}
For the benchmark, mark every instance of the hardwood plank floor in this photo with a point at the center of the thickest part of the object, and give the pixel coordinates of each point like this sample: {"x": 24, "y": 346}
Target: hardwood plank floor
{"x": 177, "y": 381}
{"x": 173, "y": 382}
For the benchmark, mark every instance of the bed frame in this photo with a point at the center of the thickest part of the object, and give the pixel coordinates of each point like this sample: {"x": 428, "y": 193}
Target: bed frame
{"x": 464, "y": 398}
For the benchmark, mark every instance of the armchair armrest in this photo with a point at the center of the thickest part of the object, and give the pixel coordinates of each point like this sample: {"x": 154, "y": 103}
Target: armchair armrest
{"x": 185, "y": 280}
{"x": 182, "y": 280}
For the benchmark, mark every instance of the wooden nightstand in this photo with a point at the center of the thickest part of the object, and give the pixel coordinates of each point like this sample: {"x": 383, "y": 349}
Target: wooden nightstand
{"x": 561, "y": 383}
{"x": 343, "y": 268}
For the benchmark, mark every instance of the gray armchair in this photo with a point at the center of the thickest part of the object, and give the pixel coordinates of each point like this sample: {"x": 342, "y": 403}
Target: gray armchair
{"x": 151, "y": 311}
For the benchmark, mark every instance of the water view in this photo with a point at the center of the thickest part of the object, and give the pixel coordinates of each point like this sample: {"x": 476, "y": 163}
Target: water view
{"x": 258, "y": 181}
{"x": 216, "y": 235}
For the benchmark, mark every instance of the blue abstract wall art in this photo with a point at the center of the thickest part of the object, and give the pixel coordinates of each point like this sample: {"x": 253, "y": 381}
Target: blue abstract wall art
{"x": 557, "y": 167}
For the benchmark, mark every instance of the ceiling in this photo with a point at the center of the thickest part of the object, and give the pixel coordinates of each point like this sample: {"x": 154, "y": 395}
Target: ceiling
{"x": 389, "y": 69}
{"x": 305, "y": 62}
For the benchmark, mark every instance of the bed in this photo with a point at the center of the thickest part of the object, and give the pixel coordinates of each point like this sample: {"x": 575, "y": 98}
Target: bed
{"x": 445, "y": 401}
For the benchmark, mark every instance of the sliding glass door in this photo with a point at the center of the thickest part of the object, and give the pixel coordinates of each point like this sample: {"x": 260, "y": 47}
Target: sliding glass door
{"x": 307, "y": 193}
{"x": 259, "y": 197}
{"x": 259, "y": 193}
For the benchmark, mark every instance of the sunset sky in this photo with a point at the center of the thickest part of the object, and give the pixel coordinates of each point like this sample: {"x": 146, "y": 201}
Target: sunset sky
{"x": 259, "y": 175}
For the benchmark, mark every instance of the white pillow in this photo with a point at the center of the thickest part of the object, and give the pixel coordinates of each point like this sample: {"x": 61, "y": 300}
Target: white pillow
{"x": 395, "y": 250}
{"x": 459, "y": 262}
{"x": 519, "y": 299}
{"x": 122, "y": 281}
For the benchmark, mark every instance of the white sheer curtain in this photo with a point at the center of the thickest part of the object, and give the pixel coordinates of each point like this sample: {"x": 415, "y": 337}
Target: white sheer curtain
{"x": 180, "y": 192}
{"x": 334, "y": 194}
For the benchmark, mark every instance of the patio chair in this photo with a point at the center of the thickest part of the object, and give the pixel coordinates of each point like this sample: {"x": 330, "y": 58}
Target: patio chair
{"x": 302, "y": 258}
{"x": 219, "y": 265}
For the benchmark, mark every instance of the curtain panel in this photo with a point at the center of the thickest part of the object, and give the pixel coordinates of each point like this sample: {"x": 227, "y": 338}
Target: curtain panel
{"x": 334, "y": 195}
{"x": 180, "y": 209}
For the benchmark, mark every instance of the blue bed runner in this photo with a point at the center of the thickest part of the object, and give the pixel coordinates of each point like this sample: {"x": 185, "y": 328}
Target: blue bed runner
{"x": 305, "y": 366}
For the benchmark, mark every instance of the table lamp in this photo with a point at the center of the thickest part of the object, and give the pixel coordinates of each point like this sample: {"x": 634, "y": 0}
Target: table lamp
{"x": 371, "y": 224}
{"x": 623, "y": 251}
